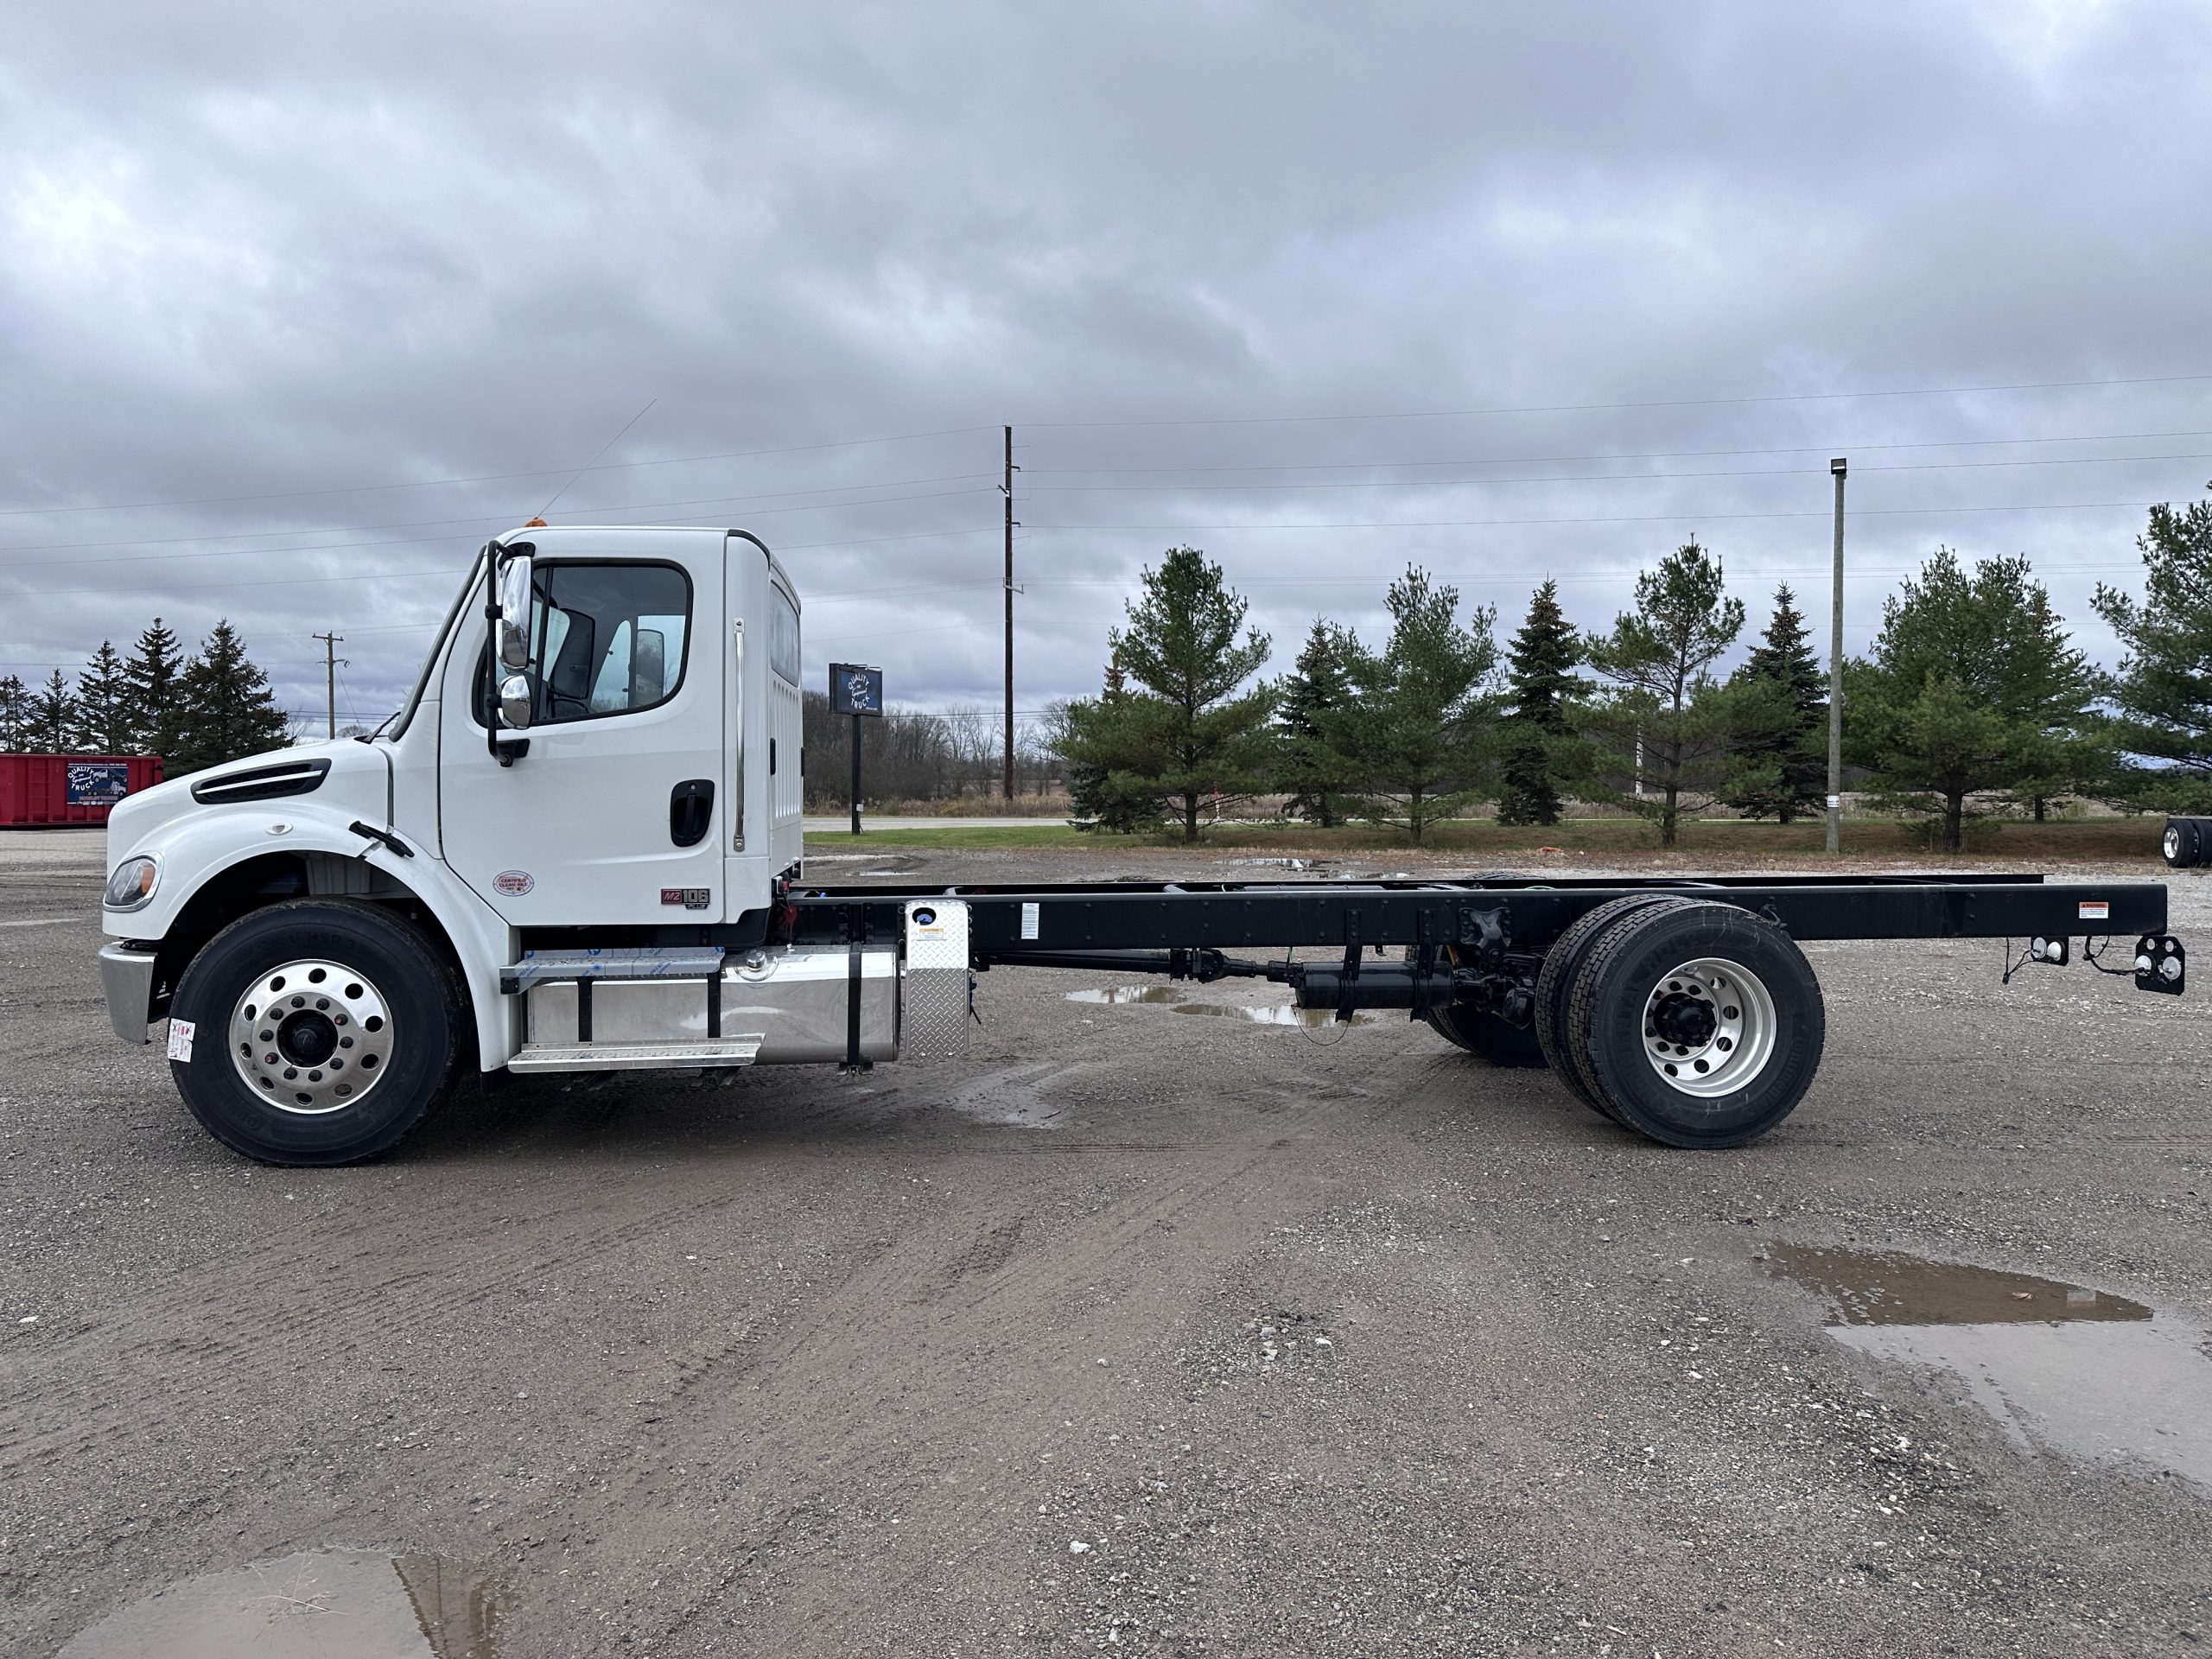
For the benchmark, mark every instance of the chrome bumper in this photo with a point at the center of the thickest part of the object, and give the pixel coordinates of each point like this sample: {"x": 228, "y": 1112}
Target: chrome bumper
{"x": 127, "y": 976}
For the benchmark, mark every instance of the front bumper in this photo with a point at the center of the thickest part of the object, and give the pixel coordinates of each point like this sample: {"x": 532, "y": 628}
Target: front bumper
{"x": 127, "y": 976}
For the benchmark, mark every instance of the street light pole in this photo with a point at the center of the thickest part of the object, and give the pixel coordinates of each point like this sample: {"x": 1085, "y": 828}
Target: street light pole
{"x": 1837, "y": 469}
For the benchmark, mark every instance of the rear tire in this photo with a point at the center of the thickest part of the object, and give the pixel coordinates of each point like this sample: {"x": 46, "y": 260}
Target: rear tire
{"x": 1699, "y": 1024}
{"x": 1494, "y": 1038}
{"x": 1556, "y": 980}
{"x": 322, "y": 1031}
{"x": 2185, "y": 842}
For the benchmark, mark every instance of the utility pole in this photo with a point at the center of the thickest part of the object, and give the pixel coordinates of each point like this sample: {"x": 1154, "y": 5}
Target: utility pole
{"x": 330, "y": 644}
{"x": 1006, "y": 488}
{"x": 1837, "y": 469}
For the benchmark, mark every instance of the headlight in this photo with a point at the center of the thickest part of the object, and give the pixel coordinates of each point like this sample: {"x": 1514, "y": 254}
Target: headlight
{"x": 133, "y": 883}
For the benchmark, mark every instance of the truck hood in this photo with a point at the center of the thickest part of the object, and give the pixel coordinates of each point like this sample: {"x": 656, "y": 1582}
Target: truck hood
{"x": 345, "y": 777}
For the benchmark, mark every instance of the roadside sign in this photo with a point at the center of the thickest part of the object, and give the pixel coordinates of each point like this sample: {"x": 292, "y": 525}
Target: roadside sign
{"x": 855, "y": 690}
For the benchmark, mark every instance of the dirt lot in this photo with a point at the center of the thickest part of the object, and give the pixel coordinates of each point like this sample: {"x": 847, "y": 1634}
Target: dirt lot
{"x": 1330, "y": 1343}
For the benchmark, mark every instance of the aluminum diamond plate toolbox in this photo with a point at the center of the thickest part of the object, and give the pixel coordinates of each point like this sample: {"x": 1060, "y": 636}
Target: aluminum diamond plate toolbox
{"x": 935, "y": 1017}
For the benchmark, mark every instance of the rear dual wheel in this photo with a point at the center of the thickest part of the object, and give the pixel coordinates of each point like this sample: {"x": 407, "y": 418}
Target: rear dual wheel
{"x": 2187, "y": 842}
{"x": 1696, "y": 1023}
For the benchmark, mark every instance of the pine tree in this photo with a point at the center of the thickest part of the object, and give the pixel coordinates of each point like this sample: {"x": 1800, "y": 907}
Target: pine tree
{"x": 1314, "y": 775}
{"x": 53, "y": 722}
{"x": 1534, "y": 737}
{"x": 1973, "y": 687}
{"x": 1663, "y": 726}
{"x": 1777, "y": 759}
{"x": 229, "y": 711}
{"x": 104, "y": 714}
{"x": 1091, "y": 736}
{"x": 1186, "y": 735}
{"x": 2162, "y": 693}
{"x": 15, "y": 715}
{"x": 154, "y": 676}
{"x": 1420, "y": 725}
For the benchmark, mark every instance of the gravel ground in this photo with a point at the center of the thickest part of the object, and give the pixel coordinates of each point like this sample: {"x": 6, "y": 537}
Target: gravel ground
{"x": 1334, "y": 1342}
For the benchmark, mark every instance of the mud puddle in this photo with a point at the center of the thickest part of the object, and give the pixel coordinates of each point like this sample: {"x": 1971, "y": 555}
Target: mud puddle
{"x": 2062, "y": 1366}
{"x": 1179, "y": 1002}
{"x": 324, "y": 1603}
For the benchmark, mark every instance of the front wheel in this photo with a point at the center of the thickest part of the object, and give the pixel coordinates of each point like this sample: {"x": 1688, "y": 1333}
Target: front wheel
{"x": 322, "y": 1032}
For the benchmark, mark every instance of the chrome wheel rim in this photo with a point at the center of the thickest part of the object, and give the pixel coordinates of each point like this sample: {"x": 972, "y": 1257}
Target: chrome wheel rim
{"x": 1709, "y": 1027}
{"x": 2172, "y": 843}
{"x": 311, "y": 1037}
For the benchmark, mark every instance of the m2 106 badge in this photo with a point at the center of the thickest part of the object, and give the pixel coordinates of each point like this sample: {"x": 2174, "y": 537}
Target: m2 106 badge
{"x": 690, "y": 897}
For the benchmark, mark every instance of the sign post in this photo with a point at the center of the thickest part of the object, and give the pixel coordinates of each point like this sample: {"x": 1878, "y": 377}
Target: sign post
{"x": 857, "y": 692}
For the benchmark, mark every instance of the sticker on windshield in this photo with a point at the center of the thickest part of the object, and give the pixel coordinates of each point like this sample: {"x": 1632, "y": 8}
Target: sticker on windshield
{"x": 514, "y": 883}
{"x": 180, "y": 1040}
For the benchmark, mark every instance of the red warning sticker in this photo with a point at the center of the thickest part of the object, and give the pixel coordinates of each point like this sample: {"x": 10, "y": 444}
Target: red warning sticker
{"x": 2097, "y": 910}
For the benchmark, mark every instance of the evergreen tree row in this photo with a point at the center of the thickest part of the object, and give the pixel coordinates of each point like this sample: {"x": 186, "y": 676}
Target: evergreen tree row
{"x": 193, "y": 711}
{"x": 1971, "y": 692}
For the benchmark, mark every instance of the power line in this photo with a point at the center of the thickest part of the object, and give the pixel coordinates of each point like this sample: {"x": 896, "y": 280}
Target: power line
{"x": 1611, "y": 518}
{"x": 1656, "y": 403}
{"x": 740, "y": 503}
{"x": 487, "y": 478}
{"x": 1613, "y": 478}
{"x": 418, "y": 541}
{"x": 1645, "y": 455}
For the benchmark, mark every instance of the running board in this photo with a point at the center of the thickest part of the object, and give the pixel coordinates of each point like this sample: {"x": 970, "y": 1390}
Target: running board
{"x": 635, "y": 1056}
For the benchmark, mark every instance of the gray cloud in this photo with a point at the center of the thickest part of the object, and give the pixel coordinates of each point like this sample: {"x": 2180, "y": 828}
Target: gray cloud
{"x": 276, "y": 253}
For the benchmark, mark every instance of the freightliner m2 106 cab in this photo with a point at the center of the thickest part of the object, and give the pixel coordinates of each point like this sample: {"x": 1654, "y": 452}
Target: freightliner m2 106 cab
{"x": 578, "y": 846}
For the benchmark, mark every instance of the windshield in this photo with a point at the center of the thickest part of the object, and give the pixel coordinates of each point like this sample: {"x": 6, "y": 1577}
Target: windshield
{"x": 468, "y": 586}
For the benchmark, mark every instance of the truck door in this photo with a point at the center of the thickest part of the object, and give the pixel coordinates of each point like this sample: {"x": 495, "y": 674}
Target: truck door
{"x": 615, "y": 815}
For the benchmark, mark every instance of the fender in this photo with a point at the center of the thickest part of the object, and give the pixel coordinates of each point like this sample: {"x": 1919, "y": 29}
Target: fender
{"x": 200, "y": 848}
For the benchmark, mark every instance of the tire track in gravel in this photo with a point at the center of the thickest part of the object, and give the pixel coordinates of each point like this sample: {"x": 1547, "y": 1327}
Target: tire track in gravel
{"x": 944, "y": 1325}
{"x": 112, "y": 1378}
{"x": 112, "y": 1381}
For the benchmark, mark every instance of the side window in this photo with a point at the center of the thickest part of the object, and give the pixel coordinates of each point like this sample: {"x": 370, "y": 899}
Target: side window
{"x": 604, "y": 640}
{"x": 783, "y": 634}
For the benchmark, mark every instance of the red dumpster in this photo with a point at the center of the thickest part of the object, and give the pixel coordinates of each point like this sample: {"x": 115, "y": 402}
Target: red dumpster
{"x": 57, "y": 789}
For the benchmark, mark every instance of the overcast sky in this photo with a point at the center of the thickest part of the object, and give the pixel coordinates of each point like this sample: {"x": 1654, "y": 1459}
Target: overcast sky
{"x": 300, "y": 303}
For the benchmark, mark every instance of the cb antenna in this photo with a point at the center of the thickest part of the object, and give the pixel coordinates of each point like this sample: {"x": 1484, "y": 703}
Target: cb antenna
{"x": 539, "y": 517}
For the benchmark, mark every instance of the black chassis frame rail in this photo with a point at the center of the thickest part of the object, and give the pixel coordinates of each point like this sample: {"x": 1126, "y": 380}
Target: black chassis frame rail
{"x": 1523, "y": 914}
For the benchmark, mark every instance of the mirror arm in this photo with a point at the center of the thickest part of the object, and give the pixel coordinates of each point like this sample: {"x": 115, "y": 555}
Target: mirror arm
{"x": 492, "y": 636}
{"x": 498, "y": 561}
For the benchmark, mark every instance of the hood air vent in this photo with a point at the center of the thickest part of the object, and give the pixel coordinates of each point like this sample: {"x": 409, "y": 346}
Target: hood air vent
{"x": 262, "y": 783}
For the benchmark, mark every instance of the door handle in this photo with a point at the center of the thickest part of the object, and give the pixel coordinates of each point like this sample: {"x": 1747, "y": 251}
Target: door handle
{"x": 691, "y": 811}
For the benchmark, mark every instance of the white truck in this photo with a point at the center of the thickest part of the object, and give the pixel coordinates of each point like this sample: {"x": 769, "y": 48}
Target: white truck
{"x": 579, "y": 847}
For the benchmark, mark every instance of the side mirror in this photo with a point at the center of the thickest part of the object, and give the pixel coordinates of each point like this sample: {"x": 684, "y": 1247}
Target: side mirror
{"x": 514, "y": 703}
{"x": 514, "y": 618}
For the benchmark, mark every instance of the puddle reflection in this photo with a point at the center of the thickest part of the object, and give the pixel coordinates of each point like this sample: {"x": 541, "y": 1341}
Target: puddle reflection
{"x": 1178, "y": 1000}
{"x": 2058, "y": 1364}
{"x": 326, "y": 1604}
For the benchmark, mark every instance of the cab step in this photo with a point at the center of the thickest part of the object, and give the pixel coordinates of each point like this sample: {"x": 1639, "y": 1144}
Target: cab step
{"x": 635, "y": 1056}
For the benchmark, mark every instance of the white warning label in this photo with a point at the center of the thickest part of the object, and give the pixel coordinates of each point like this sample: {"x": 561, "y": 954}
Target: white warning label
{"x": 1029, "y": 921}
{"x": 2097, "y": 910}
{"x": 180, "y": 1040}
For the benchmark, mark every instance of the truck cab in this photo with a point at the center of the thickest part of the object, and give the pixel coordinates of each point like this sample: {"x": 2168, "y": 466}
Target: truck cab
{"x": 564, "y": 853}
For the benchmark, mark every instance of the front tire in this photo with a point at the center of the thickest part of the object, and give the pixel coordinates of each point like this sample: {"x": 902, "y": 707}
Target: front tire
{"x": 322, "y": 1031}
